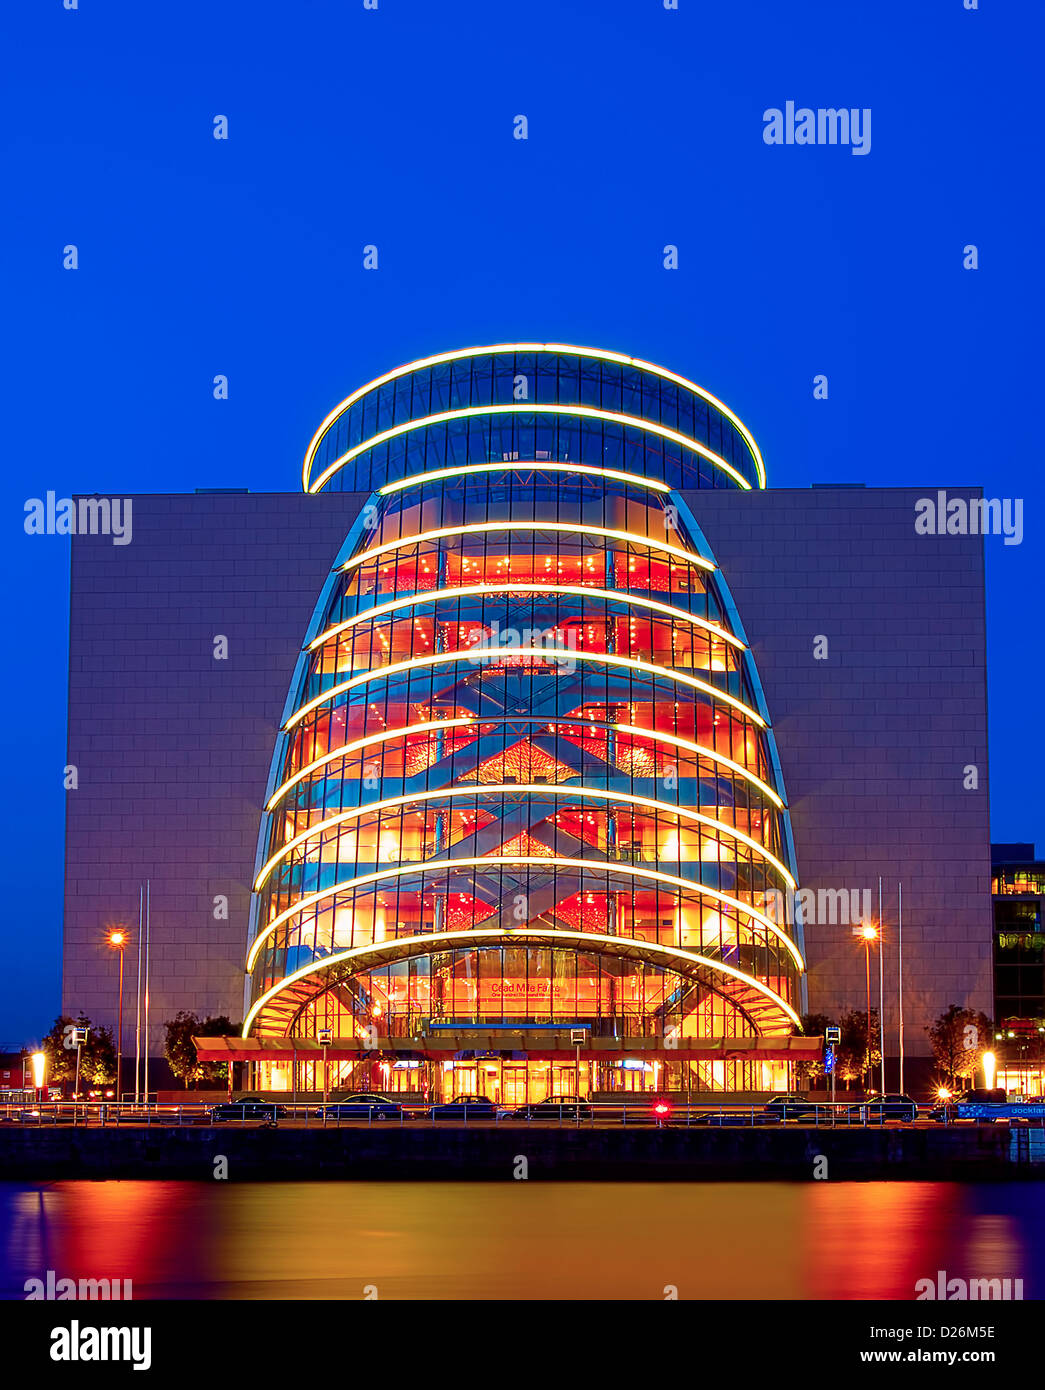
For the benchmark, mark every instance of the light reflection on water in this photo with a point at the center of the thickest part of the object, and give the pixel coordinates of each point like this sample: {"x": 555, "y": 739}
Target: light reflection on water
{"x": 521, "y": 1240}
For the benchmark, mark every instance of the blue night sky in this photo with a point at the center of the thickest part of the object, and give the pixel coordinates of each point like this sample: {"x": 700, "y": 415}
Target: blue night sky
{"x": 394, "y": 127}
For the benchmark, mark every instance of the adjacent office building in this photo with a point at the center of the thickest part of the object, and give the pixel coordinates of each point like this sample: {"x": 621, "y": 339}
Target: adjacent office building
{"x": 1018, "y": 890}
{"x": 534, "y": 747}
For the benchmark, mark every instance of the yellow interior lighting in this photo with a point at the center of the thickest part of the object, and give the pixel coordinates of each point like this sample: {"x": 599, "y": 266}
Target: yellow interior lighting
{"x": 537, "y": 789}
{"x": 477, "y": 527}
{"x": 418, "y": 945}
{"x": 579, "y": 590}
{"x": 543, "y": 862}
{"x": 475, "y": 655}
{"x": 360, "y": 743}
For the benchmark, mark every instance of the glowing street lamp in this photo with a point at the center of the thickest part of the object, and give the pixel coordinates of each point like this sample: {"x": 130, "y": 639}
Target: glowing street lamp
{"x": 869, "y": 934}
{"x": 118, "y": 940}
{"x": 990, "y": 1066}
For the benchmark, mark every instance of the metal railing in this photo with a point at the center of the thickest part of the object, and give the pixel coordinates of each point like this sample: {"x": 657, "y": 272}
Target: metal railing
{"x": 656, "y": 1111}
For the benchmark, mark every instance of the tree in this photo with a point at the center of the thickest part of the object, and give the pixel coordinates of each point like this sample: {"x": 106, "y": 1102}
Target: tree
{"x": 959, "y": 1038}
{"x": 178, "y": 1049}
{"x": 97, "y": 1054}
{"x": 852, "y": 1060}
{"x": 219, "y": 1026}
{"x": 180, "y": 1052}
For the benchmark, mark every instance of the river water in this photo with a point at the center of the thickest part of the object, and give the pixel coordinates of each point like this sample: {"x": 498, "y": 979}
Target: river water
{"x": 521, "y": 1240}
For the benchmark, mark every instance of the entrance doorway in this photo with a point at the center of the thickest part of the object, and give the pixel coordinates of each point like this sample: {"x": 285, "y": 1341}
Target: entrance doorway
{"x": 513, "y": 1084}
{"x": 490, "y": 1081}
{"x": 460, "y": 1079}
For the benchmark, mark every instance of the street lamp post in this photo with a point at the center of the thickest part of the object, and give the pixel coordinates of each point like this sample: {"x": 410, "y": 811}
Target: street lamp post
{"x": 899, "y": 972}
{"x": 867, "y": 961}
{"x": 80, "y": 1037}
{"x": 881, "y": 1012}
{"x": 326, "y": 1037}
{"x": 869, "y": 934}
{"x": 118, "y": 940}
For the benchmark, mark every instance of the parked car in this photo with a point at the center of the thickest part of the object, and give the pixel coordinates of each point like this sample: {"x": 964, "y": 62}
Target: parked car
{"x": 366, "y": 1105}
{"x": 465, "y": 1109}
{"x": 996, "y": 1108}
{"x": 554, "y": 1108}
{"x": 264, "y": 1110}
{"x": 948, "y": 1109}
{"x": 888, "y": 1107}
{"x": 792, "y": 1107}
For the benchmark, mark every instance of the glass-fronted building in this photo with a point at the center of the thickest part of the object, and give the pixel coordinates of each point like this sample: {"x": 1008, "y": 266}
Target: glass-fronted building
{"x": 1018, "y": 893}
{"x": 525, "y": 830}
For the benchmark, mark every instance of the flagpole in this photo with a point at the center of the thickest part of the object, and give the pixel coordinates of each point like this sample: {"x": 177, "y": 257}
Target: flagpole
{"x": 145, "y": 1088}
{"x": 881, "y": 989}
{"x": 138, "y": 999}
{"x": 899, "y": 958}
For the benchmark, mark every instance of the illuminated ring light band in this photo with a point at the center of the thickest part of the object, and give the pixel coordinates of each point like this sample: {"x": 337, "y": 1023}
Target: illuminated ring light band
{"x": 609, "y": 945}
{"x": 391, "y": 734}
{"x": 702, "y": 752}
{"x": 584, "y": 412}
{"x": 524, "y": 466}
{"x": 556, "y": 349}
{"x": 576, "y": 590}
{"x": 474, "y": 656}
{"x": 478, "y": 527}
{"x": 539, "y": 789}
{"x": 429, "y": 726}
{"x": 699, "y": 890}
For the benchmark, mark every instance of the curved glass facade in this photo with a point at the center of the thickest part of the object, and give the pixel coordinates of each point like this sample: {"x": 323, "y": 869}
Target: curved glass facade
{"x": 526, "y": 779}
{"x": 528, "y": 401}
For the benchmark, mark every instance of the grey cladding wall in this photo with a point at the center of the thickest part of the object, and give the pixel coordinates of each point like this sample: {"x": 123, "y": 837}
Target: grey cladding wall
{"x": 173, "y": 747}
